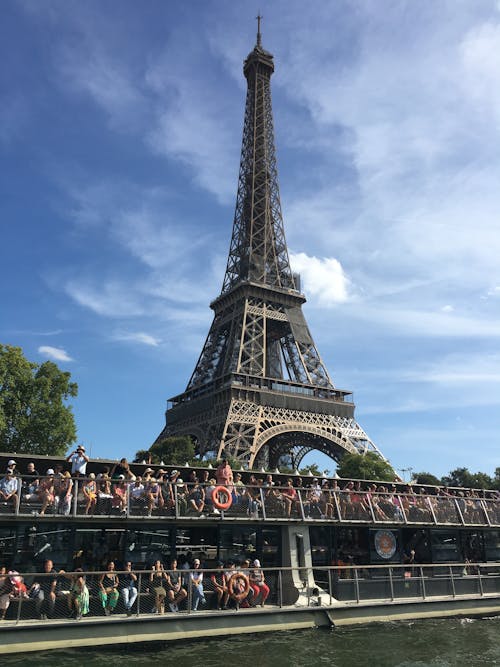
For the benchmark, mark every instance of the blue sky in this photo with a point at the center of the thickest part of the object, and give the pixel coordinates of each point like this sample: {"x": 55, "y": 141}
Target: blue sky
{"x": 120, "y": 131}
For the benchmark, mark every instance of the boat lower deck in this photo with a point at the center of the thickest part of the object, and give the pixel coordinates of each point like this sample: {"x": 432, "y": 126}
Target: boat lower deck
{"x": 31, "y": 635}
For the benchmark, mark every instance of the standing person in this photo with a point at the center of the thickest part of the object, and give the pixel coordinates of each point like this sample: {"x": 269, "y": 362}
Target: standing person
{"x": 128, "y": 587}
{"x": 78, "y": 460}
{"x": 224, "y": 475}
{"x": 108, "y": 589}
{"x": 122, "y": 468}
{"x": 196, "y": 583}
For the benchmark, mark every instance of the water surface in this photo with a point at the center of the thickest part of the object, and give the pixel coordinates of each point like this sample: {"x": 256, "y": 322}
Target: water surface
{"x": 429, "y": 643}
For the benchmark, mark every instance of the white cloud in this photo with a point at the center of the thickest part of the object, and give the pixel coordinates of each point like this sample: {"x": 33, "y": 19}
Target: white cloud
{"x": 55, "y": 353}
{"x": 137, "y": 337}
{"x": 323, "y": 278}
{"x": 111, "y": 299}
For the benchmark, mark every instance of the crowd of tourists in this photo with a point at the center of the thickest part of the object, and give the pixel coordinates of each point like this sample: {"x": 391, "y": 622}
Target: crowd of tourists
{"x": 178, "y": 587}
{"x": 116, "y": 489}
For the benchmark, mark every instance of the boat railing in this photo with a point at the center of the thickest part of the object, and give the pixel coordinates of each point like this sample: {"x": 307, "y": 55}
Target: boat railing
{"x": 91, "y": 498}
{"x": 33, "y": 598}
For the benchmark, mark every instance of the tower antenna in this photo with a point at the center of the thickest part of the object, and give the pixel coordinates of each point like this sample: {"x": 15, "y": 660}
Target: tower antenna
{"x": 259, "y": 18}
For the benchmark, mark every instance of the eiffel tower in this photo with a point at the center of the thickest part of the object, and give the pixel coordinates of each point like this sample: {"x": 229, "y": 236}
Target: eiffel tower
{"x": 260, "y": 392}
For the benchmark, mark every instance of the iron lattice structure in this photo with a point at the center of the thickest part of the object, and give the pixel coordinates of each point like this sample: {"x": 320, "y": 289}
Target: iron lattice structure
{"x": 260, "y": 391}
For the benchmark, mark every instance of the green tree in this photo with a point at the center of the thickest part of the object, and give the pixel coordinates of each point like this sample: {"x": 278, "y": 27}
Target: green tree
{"x": 313, "y": 469}
{"x": 463, "y": 477}
{"x": 34, "y": 416}
{"x": 174, "y": 450}
{"x": 365, "y": 466}
{"x": 426, "y": 478}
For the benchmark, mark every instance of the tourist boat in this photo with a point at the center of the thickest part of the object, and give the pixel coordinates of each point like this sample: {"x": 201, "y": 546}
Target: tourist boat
{"x": 356, "y": 555}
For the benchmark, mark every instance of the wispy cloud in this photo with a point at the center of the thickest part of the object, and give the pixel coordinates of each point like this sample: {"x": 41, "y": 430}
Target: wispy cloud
{"x": 55, "y": 353}
{"x": 137, "y": 337}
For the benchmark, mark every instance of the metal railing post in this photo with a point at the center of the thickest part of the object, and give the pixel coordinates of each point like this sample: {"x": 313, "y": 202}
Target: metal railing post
{"x": 337, "y": 505}
{"x": 480, "y": 579}
{"x": 330, "y": 584}
{"x": 391, "y": 584}
{"x": 450, "y": 569}
{"x": 190, "y": 592}
{"x": 20, "y": 604}
{"x": 128, "y": 501}
{"x": 301, "y": 506}
{"x": 75, "y": 497}
{"x": 139, "y": 589}
{"x": 18, "y": 496}
{"x": 176, "y": 501}
{"x": 422, "y": 582}
{"x": 356, "y": 584}
{"x": 263, "y": 504}
{"x": 280, "y": 588}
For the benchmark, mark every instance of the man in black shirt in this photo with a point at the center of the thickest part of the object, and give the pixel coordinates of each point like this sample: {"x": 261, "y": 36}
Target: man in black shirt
{"x": 44, "y": 591}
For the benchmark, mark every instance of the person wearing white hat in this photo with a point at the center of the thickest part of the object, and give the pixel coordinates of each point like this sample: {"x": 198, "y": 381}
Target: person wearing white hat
{"x": 79, "y": 461}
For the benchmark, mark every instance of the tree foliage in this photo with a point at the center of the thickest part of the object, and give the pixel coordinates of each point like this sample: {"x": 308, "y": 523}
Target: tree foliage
{"x": 426, "y": 478}
{"x": 174, "y": 450}
{"x": 34, "y": 417}
{"x": 365, "y": 466}
{"x": 463, "y": 477}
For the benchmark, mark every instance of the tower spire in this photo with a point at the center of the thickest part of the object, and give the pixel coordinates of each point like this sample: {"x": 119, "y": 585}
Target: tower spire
{"x": 259, "y": 18}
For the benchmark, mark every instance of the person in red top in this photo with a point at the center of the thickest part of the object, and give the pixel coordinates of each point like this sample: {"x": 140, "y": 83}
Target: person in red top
{"x": 224, "y": 474}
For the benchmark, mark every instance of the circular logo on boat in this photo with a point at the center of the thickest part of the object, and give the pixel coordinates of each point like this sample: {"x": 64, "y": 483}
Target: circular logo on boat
{"x": 385, "y": 543}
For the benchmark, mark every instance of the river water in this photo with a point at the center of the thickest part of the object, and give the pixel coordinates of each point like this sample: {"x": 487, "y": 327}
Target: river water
{"x": 429, "y": 643}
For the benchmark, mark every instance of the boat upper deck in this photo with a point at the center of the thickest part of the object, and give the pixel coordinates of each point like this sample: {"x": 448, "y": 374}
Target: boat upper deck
{"x": 162, "y": 493}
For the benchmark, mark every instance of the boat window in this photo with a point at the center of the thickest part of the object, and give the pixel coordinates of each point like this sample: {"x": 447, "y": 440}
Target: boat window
{"x": 353, "y": 546}
{"x": 444, "y": 546}
{"x": 471, "y": 543}
{"x": 94, "y": 548}
{"x": 270, "y": 547}
{"x": 144, "y": 547}
{"x": 197, "y": 542}
{"x": 36, "y": 544}
{"x": 319, "y": 537}
{"x": 417, "y": 540}
{"x": 492, "y": 545}
{"x": 7, "y": 545}
{"x": 238, "y": 543}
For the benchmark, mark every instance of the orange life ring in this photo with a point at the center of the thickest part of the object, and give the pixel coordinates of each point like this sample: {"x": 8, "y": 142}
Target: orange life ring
{"x": 218, "y": 502}
{"x": 238, "y": 576}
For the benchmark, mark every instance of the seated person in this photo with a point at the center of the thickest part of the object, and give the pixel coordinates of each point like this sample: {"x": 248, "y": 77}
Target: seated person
{"x": 258, "y": 583}
{"x": 119, "y": 500}
{"x": 175, "y": 592}
{"x": 196, "y": 499}
{"x": 79, "y": 598}
{"x": 128, "y": 587}
{"x": 153, "y": 494}
{"x": 219, "y": 582}
{"x": 8, "y": 488}
{"x": 89, "y": 489}
{"x": 31, "y": 483}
